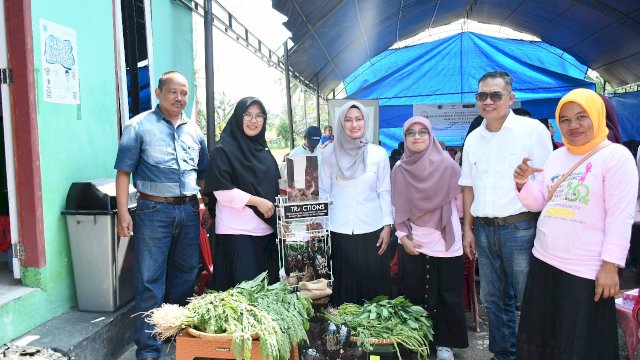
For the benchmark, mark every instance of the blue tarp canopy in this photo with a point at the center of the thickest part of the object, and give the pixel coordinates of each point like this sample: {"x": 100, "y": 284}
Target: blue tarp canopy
{"x": 447, "y": 71}
{"x": 627, "y": 105}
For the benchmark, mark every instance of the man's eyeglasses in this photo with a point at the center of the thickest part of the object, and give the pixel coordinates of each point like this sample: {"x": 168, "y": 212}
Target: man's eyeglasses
{"x": 248, "y": 117}
{"x": 421, "y": 133}
{"x": 495, "y": 96}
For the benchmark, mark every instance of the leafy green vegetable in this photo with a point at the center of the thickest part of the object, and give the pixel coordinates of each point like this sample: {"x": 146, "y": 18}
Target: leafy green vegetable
{"x": 279, "y": 318}
{"x": 397, "y": 320}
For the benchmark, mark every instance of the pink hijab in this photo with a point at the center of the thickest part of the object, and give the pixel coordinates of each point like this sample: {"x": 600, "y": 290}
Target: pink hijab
{"x": 423, "y": 185}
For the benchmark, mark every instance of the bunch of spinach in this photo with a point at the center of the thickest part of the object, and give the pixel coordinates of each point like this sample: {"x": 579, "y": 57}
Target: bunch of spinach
{"x": 397, "y": 320}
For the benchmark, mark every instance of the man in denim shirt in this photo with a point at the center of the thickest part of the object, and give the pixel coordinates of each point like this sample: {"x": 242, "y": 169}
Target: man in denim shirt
{"x": 167, "y": 154}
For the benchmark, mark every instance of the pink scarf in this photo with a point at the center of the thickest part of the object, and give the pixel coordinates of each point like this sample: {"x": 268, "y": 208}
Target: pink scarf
{"x": 423, "y": 185}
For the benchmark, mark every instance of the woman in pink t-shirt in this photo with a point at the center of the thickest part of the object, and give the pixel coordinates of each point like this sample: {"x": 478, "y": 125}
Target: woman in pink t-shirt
{"x": 582, "y": 237}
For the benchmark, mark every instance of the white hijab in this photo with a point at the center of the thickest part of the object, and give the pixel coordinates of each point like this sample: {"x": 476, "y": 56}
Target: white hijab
{"x": 348, "y": 156}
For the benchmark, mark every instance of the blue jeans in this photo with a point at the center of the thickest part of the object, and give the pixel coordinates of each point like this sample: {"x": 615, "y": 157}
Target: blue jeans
{"x": 167, "y": 258}
{"x": 504, "y": 252}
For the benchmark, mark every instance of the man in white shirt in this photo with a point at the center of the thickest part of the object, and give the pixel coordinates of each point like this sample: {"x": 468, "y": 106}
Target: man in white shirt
{"x": 496, "y": 224}
{"x": 310, "y": 146}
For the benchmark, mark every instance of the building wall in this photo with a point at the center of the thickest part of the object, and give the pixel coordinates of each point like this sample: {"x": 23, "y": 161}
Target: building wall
{"x": 79, "y": 142}
{"x": 173, "y": 45}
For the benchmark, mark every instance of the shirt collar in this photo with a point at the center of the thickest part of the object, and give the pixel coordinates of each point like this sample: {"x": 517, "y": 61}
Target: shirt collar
{"x": 306, "y": 148}
{"x": 508, "y": 123}
{"x": 160, "y": 116}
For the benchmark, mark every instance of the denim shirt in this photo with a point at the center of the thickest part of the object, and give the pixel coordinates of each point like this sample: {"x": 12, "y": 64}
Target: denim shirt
{"x": 165, "y": 160}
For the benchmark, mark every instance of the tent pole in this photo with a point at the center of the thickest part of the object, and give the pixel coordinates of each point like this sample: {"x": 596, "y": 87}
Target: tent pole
{"x": 208, "y": 70}
{"x": 318, "y": 103}
{"x": 287, "y": 82}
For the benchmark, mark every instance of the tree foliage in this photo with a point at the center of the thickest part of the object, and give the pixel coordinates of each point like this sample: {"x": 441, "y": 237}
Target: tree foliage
{"x": 303, "y": 104}
{"x": 223, "y": 109}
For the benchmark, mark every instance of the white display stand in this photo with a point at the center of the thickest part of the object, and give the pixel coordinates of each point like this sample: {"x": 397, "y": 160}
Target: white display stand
{"x": 304, "y": 240}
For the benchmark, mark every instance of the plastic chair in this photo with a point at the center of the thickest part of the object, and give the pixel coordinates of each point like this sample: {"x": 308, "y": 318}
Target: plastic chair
{"x": 469, "y": 287}
{"x": 205, "y": 251}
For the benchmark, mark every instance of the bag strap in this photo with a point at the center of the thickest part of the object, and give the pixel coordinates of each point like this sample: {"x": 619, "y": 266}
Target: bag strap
{"x": 583, "y": 159}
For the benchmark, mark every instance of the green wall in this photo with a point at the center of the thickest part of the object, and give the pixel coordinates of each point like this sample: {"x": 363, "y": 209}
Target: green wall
{"x": 173, "y": 44}
{"x": 79, "y": 142}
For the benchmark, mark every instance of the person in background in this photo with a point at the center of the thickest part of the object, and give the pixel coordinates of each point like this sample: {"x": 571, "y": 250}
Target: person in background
{"x": 522, "y": 112}
{"x": 428, "y": 208}
{"x": 327, "y": 137}
{"x": 612, "y": 121}
{"x": 355, "y": 176}
{"x": 394, "y": 157}
{"x": 496, "y": 224}
{"x": 167, "y": 155}
{"x": 443, "y": 146}
{"x": 552, "y": 132}
{"x": 310, "y": 146}
{"x": 568, "y": 310}
{"x": 242, "y": 185}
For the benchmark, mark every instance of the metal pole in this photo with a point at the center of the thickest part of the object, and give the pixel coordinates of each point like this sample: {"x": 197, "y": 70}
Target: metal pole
{"x": 208, "y": 70}
{"x": 318, "y": 103}
{"x": 287, "y": 83}
{"x": 131, "y": 56}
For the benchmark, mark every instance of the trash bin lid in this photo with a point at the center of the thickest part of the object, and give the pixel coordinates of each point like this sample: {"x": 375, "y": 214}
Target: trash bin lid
{"x": 95, "y": 196}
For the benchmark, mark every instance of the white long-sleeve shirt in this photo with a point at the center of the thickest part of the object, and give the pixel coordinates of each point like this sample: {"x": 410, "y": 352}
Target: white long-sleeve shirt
{"x": 489, "y": 159}
{"x": 359, "y": 205}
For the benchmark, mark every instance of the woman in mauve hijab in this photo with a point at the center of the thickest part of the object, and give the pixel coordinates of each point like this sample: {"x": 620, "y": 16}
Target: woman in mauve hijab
{"x": 428, "y": 205}
{"x": 355, "y": 175}
{"x": 582, "y": 237}
{"x": 242, "y": 185}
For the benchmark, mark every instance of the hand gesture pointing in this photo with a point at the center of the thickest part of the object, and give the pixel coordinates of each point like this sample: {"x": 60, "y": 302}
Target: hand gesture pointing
{"x": 524, "y": 171}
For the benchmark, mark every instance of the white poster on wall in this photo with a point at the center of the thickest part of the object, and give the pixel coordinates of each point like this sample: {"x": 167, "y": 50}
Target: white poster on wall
{"x": 371, "y": 106}
{"x": 450, "y": 119}
{"x": 59, "y": 50}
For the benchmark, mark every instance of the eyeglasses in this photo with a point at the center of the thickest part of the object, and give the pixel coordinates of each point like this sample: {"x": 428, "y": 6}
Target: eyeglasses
{"x": 248, "y": 117}
{"x": 495, "y": 96}
{"x": 421, "y": 133}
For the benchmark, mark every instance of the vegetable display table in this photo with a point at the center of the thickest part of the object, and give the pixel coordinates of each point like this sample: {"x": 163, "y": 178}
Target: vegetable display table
{"x": 189, "y": 347}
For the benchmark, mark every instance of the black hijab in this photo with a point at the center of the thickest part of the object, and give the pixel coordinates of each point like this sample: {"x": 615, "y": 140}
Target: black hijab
{"x": 243, "y": 162}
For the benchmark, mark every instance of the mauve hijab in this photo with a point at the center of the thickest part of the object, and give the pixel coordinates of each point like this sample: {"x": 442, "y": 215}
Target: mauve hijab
{"x": 423, "y": 185}
{"x": 346, "y": 155}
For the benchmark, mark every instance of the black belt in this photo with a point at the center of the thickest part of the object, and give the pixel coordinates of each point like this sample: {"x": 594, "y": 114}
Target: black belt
{"x": 511, "y": 219}
{"x": 177, "y": 200}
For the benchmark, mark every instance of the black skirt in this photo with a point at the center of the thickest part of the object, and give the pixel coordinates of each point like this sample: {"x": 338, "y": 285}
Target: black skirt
{"x": 359, "y": 272}
{"x": 436, "y": 284}
{"x": 560, "y": 320}
{"x": 243, "y": 257}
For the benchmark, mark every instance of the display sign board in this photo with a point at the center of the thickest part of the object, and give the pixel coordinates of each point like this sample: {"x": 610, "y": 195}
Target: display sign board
{"x": 450, "y": 119}
{"x": 306, "y": 210}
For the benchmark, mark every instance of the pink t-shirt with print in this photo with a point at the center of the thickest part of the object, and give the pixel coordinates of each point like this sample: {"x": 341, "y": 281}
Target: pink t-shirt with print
{"x": 589, "y": 218}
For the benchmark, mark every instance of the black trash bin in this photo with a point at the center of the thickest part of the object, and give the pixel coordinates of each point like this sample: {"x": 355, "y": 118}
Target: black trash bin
{"x": 102, "y": 260}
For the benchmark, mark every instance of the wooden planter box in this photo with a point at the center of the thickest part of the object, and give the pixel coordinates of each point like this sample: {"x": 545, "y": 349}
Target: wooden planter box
{"x": 189, "y": 347}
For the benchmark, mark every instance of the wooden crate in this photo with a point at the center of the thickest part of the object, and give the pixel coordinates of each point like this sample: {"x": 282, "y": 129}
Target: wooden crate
{"x": 189, "y": 347}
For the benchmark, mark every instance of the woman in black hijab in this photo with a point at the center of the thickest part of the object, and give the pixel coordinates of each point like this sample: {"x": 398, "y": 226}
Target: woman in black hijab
{"x": 242, "y": 185}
